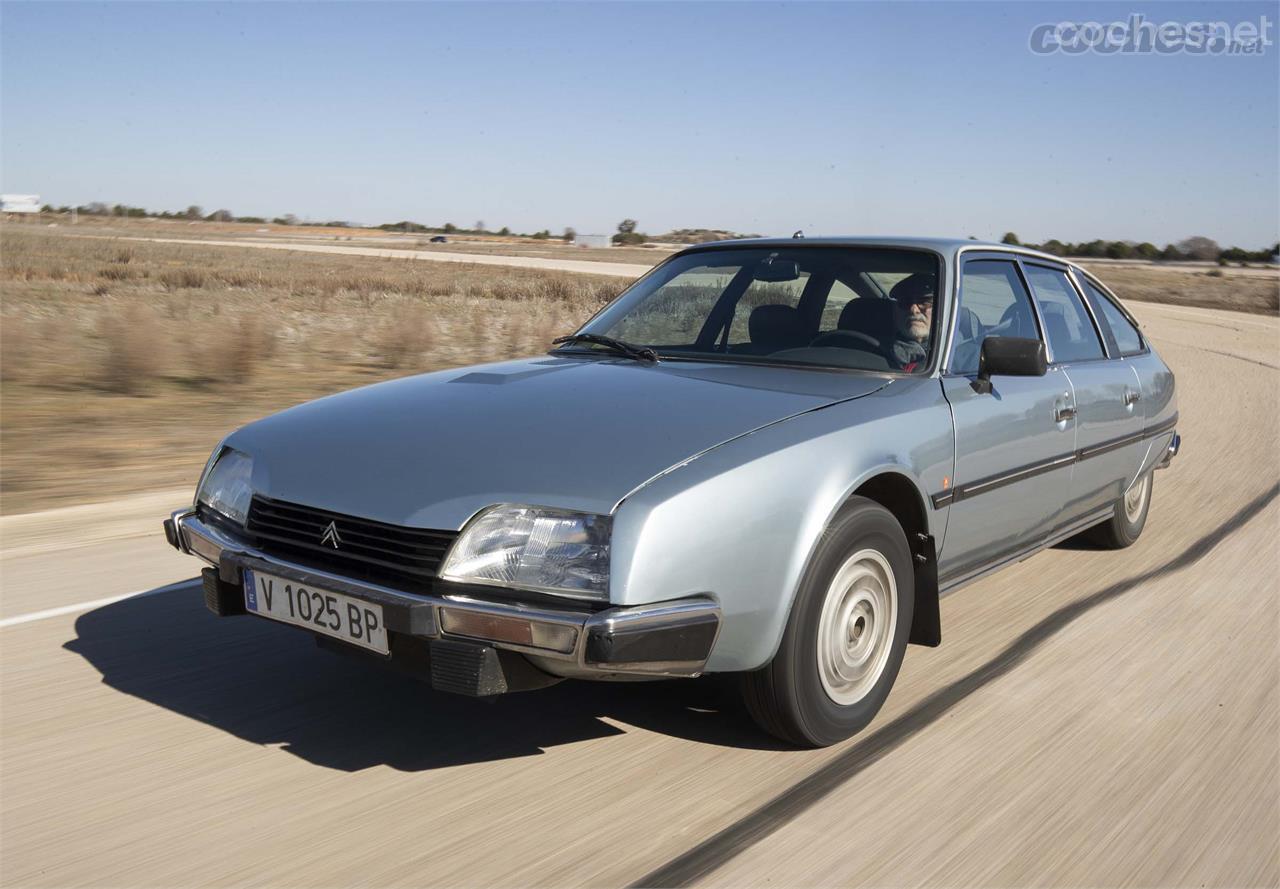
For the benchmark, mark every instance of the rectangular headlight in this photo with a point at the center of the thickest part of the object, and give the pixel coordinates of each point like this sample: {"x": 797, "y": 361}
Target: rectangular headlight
{"x": 534, "y": 548}
{"x": 226, "y": 487}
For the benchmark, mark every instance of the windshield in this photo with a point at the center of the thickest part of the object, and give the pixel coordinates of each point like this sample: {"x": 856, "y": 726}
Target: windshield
{"x": 844, "y": 307}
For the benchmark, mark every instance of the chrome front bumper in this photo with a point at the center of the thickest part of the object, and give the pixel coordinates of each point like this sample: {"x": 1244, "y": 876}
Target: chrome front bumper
{"x": 672, "y": 638}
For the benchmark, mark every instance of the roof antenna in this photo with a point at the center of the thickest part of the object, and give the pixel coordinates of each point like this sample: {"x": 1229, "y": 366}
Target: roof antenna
{"x": 799, "y": 235}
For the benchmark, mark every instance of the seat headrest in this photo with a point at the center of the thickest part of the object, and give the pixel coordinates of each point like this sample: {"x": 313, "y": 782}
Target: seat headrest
{"x": 968, "y": 327}
{"x": 867, "y": 314}
{"x": 775, "y": 327}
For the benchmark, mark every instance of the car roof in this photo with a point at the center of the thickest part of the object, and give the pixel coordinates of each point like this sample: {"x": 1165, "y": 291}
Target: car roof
{"x": 945, "y": 246}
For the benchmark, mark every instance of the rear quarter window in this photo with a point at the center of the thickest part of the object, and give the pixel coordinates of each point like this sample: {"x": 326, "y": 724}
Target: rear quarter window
{"x": 1128, "y": 340}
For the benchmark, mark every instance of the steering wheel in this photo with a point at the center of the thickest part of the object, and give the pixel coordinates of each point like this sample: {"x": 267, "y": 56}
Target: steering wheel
{"x": 847, "y": 339}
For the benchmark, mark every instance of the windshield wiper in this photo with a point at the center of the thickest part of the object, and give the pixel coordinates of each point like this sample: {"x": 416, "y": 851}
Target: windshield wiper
{"x": 639, "y": 353}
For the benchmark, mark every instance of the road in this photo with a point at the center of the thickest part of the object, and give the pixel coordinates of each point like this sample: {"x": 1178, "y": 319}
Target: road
{"x": 1092, "y": 718}
{"x": 582, "y": 266}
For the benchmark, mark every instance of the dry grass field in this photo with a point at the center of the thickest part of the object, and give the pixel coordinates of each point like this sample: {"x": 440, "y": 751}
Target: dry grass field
{"x": 124, "y": 362}
{"x": 1242, "y": 290}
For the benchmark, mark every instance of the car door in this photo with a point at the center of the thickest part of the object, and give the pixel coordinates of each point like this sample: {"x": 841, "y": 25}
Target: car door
{"x": 1107, "y": 392}
{"x": 1015, "y": 444}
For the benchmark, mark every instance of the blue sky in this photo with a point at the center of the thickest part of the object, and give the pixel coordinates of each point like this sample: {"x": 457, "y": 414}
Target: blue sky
{"x": 911, "y": 118}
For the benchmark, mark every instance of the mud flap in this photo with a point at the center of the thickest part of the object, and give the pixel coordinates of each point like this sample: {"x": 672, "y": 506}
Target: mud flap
{"x": 926, "y": 623}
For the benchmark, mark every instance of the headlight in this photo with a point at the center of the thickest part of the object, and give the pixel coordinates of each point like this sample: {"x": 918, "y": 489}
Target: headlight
{"x": 225, "y": 488}
{"x": 533, "y": 548}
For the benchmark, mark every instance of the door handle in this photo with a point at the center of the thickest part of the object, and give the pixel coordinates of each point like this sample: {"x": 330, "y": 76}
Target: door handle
{"x": 1063, "y": 414}
{"x": 1131, "y": 398}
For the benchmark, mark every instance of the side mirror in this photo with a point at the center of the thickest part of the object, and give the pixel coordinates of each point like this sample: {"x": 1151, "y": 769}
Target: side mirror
{"x": 1011, "y": 356}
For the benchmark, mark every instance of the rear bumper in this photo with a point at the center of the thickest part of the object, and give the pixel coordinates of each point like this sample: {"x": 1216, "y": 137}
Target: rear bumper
{"x": 672, "y": 638}
{"x": 1170, "y": 452}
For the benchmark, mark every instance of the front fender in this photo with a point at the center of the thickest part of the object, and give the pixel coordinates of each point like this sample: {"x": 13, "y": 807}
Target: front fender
{"x": 740, "y": 522}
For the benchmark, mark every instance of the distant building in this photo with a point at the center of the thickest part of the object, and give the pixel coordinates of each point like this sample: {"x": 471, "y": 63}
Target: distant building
{"x": 592, "y": 241}
{"x": 19, "y": 203}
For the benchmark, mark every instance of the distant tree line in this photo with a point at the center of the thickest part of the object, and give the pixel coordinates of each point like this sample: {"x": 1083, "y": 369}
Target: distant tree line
{"x": 409, "y": 227}
{"x": 1198, "y": 248}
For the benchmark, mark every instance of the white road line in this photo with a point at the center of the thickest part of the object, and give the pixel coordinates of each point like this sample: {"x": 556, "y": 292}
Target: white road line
{"x": 32, "y": 616}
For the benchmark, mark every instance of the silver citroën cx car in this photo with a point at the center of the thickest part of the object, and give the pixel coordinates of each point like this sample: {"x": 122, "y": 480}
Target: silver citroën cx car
{"x": 766, "y": 457}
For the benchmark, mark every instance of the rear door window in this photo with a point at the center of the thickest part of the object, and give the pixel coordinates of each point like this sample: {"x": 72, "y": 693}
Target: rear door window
{"x": 1067, "y": 325}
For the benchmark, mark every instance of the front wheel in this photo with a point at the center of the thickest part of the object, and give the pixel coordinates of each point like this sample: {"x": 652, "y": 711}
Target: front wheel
{"x": 846, "y": 636}
{"x": 1128, "y": 517}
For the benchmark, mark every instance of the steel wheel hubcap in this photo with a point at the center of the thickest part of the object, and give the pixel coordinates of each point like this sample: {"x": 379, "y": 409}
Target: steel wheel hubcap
{"x": 855, "y": 631}
{"x": 1136, "y": 498}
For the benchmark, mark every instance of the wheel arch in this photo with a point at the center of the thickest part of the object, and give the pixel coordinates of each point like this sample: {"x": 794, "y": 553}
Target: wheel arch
{"x": 900, "y": 495}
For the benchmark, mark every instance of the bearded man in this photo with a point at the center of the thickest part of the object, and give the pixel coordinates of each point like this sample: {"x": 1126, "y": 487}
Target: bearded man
{"x": 913, "y": 298}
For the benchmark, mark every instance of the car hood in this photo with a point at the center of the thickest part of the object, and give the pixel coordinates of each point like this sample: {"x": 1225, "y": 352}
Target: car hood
{"x": 581, "y": 433}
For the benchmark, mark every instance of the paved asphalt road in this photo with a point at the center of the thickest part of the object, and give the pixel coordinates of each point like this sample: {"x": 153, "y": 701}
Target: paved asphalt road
{"x": 1092, "y": 718}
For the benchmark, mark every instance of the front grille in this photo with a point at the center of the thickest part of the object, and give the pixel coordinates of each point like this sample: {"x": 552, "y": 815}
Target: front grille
{"x": 390, "y": 554}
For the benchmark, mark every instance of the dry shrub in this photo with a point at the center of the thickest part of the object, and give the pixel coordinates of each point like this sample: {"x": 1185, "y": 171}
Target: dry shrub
{"x": 231, "y": 351}
{"x": 177, "y": 279}
{"x": 115, "y": 273}
{"x": 507, "y": 290}
{"x": 239, "y": 278}
{"x": 404, "y": 336}
{"x": 561, "y": 289}
{"x": 133, "y": 348}
{"x": 123, "y": 256}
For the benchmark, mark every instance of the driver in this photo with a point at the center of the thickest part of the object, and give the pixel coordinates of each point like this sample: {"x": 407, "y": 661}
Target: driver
{"x": 913, "y": 298}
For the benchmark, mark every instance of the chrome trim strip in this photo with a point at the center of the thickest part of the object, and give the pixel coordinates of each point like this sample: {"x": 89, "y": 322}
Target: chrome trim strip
{"x": 974, "y": 488}
{"x": 981, "y": 486}
{"x": 1113, "y": 444}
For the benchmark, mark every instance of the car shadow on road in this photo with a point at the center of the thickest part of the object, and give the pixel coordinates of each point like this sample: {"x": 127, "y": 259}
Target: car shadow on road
{"x": 270, "y": 684}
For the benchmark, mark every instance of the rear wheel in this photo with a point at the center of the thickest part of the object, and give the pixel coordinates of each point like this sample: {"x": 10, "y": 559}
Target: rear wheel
{"x": 846, "y": 635}
{"x": 1128, "y": 518}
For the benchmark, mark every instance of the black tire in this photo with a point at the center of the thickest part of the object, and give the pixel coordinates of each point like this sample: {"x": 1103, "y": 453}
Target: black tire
{"x": 787, "y": 697}
{"x": 1125, "y": 525}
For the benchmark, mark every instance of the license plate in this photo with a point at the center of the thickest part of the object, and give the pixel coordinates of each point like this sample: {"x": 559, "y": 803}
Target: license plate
{"x": 330, "y": 614}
